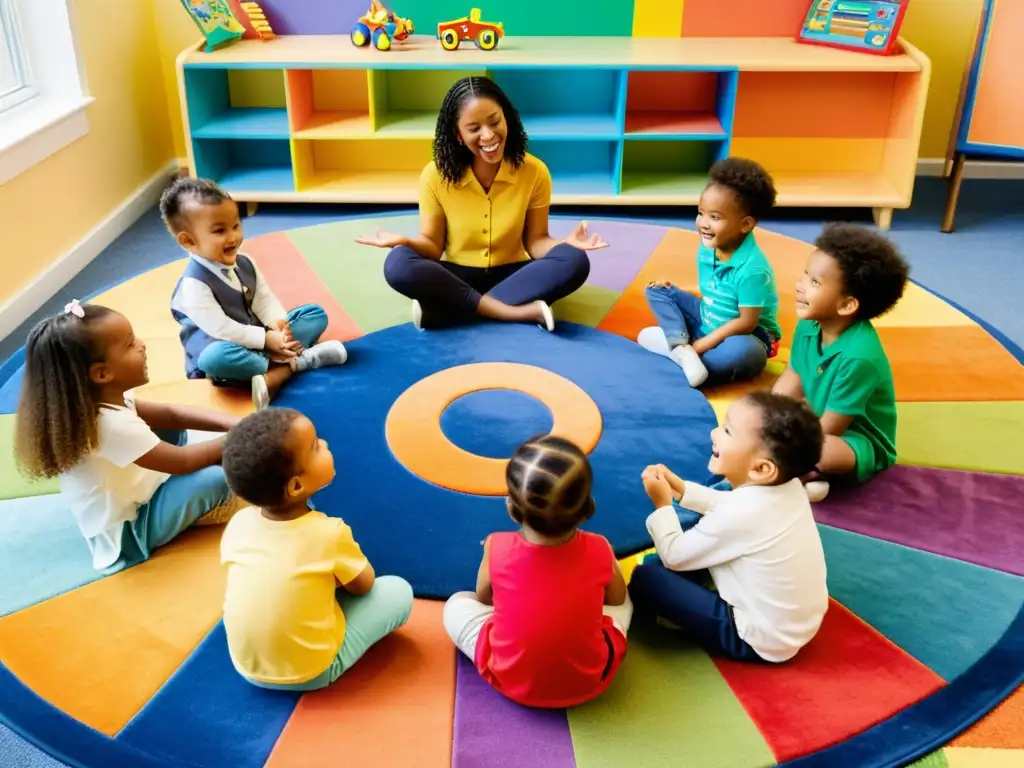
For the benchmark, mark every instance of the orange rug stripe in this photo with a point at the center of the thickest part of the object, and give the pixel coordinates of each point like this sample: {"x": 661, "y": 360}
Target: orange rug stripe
{"x": 295, "y": 283}
{"x": 1002, "y": 728}
{"x": 847, "y": 679}
{"x": 100, "y": 652}
{"x": 394, "y": 709}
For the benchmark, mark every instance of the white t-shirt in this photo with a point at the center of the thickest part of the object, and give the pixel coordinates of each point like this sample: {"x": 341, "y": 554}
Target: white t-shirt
{"x": 765, "y": 555}
{"x": 105, "y": 489}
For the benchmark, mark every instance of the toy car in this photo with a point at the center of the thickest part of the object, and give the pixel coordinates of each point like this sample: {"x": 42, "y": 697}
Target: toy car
{"x": 484, "y": 33}
{"x": 380, "y": 26}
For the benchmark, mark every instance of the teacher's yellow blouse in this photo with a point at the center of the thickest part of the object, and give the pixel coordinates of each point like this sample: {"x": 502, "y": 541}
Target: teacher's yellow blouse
{"x": 486, "y": 229}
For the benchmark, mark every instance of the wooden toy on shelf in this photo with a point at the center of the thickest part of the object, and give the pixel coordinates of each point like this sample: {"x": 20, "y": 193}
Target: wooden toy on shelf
{"x": 484, "y": 33}
{"x": 872, "y": 26}
{"x": 251, "y": 16}
{"x": 380, "y": 27}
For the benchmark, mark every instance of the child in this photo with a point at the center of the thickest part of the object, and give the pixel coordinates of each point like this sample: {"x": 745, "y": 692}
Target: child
{"x": 729, "y": 333}
{"x": 837, "y": 361}
{"x": 129, "y": 488}
{"x": 547, "y": 624}
{"x": 233, "y": 328}
{"x": 759, "y": 541}
{"x": 289, "y": 625}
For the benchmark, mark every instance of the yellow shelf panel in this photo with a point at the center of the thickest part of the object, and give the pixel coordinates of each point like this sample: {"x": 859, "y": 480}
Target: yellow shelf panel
{"x": 336, "y": 125}
{"x": 770, "y": 54}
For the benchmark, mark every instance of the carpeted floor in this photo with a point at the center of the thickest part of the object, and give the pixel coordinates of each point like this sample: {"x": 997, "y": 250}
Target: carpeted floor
{"x": 919, "y": 616}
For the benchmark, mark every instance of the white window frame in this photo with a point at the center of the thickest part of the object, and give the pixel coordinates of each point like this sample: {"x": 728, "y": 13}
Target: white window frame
{"x": 47, "y": 115}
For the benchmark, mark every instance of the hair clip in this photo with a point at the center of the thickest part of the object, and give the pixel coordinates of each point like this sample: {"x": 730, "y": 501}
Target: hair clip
{"x": 74, "y": 308}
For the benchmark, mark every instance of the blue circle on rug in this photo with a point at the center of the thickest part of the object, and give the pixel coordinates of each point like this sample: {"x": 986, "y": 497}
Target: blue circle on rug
{"x": 494, "y": 422}
{"x": 433, "y": 536}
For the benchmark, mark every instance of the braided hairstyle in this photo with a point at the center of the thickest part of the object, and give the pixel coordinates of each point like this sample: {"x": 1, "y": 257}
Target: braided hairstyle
{"x": 56, "y": 422}
{"x": 549, "y": 483}
{"x": 451, "y": 157}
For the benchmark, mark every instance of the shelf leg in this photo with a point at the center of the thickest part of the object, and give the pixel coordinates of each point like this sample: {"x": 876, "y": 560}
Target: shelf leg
{"x": 251, "y": 208}
{"x": 883, "y": 217}
{"x": 953, "y": 193}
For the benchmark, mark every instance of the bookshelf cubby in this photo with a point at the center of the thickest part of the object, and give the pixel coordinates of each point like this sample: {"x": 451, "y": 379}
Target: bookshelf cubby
{"x": 617, "y": 120}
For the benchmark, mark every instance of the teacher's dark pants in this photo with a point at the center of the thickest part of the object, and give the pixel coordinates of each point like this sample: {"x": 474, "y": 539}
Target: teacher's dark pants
{"x": 450, "y": 293}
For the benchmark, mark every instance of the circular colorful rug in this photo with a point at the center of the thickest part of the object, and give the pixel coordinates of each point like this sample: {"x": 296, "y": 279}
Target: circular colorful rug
{"x": 924, "y": 636}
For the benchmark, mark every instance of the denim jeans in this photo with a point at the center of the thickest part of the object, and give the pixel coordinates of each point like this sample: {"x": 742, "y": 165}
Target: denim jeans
{"x": 226, "y": 361}
{"x": 738, "y": 358}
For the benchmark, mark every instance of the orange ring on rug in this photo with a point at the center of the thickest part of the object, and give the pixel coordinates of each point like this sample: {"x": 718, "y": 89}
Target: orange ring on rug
{"x": 413, "y": 426}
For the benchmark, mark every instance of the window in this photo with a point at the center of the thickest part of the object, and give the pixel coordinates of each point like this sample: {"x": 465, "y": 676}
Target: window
{"x": 42, "y": 91}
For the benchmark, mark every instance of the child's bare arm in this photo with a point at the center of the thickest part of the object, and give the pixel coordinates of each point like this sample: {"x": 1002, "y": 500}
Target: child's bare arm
{"x": 833, "y": 423}
{"x": 743, "y": 325}
{"x": 789, "y": 384}
{"x": 362, "y": 583}
{"x": 615, "y": 592}
{"x": 182, "y": 460}
{"x": 166, "y": 416}
{"x": 483, "y": 576}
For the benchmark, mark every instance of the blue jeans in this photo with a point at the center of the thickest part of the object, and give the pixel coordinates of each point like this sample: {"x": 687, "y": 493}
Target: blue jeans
{"x": 369, "y": 618}
{"x": 682, "y": 598}
{"x": 226, "y": 361}
{"x": 738, "y": 358}
{"x": 176, "y": 505}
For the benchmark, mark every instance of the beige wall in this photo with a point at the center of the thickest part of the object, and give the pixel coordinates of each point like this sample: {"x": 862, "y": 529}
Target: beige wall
{"x": 53, "y": 205}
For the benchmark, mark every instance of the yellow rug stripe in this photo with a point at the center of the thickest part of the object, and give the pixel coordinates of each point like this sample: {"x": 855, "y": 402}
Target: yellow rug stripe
{"x": 973, "y": 757}
{"x": 100, "y": 652}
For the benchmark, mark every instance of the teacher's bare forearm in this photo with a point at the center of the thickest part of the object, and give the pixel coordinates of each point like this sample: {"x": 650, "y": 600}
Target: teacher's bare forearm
{"x": 539, "y": 248}
{"x": 424, "y": 247}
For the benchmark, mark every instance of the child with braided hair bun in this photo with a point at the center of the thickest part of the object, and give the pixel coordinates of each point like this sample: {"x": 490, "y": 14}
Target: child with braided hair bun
{"x": 547, "y": 623}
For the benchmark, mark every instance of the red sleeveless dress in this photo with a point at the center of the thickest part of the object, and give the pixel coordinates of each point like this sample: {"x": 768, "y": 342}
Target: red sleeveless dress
{"x": 548, "y": 643}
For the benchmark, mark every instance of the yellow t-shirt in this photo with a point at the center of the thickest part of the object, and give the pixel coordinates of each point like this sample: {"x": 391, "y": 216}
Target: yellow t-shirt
{"x": 486, "y": 229}
{"x": 283, "y": 622}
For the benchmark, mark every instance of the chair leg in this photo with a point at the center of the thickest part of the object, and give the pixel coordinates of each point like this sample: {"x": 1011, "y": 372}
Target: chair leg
{"x": 956, "y": 176}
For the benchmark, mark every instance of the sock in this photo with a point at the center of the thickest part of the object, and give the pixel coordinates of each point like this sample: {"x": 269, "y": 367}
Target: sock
{"x": 693, "y": 367}
{"x": 319, "y": 355}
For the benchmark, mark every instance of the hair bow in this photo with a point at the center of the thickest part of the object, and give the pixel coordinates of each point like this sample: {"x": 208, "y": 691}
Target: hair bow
{"x": 74, "y": 308}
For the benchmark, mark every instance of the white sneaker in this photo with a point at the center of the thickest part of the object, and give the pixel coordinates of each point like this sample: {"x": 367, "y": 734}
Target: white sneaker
{"x": 816, "y": 490}
{"x": 417, "y": 315}
{"x": 549, "y": 317}
{"x": 260, "y": 392}
{"x": 693, "y": 367}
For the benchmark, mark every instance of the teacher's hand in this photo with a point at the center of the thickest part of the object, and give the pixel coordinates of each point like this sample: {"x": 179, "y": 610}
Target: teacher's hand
{"x": 579, "y": 238}
{"x": 384, "y": 239}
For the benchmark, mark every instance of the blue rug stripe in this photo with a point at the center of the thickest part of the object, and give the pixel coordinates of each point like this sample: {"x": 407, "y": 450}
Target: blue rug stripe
{"x": 207, "y": 715}
{"x": 926, "y": 726}
{"x": 42, "y": 552}
{"x": 944, "y": 612}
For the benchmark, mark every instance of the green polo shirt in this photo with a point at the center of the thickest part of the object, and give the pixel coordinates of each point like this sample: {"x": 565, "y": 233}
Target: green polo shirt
{"x": 851, "y": 377}
{"x": 745, "y": 280}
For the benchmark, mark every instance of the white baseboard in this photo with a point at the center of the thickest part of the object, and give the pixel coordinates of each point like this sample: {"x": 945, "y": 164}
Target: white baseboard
{"x": 973, "y": 169}
{"x": 56, "y": 275}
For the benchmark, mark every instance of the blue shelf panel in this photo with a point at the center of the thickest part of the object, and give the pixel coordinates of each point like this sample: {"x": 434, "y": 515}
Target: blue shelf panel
{"x": 555, "y": 103}
{"x": 246, "y": 164}
{"x": 245, "y": 123}
{"x": 598, "y": 127}
{"x": 580, "y": 167}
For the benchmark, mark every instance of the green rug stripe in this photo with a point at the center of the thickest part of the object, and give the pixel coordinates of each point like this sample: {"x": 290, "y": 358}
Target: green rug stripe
{"x": 354, "y": 273}
{"x": 982, "y": 437}
{"x": 668, "y": 707}
{"x": 587, "y": 306}
{"x": 934, "y": 760}
{"x": 945, "y": 613}
{"x": 42, "y": 553}
{"x": 12, "y": 484}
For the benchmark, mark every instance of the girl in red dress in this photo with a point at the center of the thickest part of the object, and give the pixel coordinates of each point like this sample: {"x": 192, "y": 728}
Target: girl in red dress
{"x": 547, "y": 623}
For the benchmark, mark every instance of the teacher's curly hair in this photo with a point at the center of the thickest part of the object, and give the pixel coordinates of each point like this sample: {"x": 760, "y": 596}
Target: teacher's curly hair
{"x": 452, "y": 157}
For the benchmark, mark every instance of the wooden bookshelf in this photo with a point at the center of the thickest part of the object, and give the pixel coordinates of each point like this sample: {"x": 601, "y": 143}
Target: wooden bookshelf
{"x": 618, "y": 120}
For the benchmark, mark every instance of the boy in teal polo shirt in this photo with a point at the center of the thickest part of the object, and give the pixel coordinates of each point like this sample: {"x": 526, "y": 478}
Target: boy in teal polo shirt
{"x": 837, "y": 361}
{"x": 730, "y": 331}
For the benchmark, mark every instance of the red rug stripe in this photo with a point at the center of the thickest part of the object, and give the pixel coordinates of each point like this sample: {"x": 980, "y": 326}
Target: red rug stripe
{"x": 295, "y": 283}
{"x": 847, "y": 679}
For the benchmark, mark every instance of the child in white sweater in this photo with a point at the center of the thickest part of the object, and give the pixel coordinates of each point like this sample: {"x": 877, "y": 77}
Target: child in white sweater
{"x": 759, "y": 541}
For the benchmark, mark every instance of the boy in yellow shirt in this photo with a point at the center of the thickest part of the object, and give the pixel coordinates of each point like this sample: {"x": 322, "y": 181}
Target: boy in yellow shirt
{"x": 302, "y": 602}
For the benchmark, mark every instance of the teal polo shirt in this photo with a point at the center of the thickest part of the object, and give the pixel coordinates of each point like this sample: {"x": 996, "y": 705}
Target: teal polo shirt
{"x": 851, "y": 377}
{"x": 745, "y": 280}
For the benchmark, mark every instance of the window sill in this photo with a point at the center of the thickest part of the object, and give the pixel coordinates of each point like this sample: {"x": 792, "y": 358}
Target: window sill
{"x": 34, "y": 131}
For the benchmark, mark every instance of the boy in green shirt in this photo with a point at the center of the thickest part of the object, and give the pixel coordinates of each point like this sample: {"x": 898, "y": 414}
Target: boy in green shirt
{"x": 730, "y": 330}
{"x": 836, "y": 359}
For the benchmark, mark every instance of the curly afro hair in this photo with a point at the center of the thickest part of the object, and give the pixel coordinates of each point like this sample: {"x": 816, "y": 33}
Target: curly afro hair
{"x": 258, "y": 462}
{"x": 790, "y": 431}
{"x": 874, "y": 272}
{"x": 749, "y": 181}
{"x": 451, "y": 157}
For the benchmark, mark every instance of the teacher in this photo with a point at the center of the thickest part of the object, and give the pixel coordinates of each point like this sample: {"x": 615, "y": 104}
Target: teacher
{"x": 484, "y": 248}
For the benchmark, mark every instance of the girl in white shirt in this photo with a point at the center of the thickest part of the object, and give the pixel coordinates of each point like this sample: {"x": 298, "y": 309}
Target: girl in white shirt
{"x": 130, "y": 489}
{"x": 758, "y": 543}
